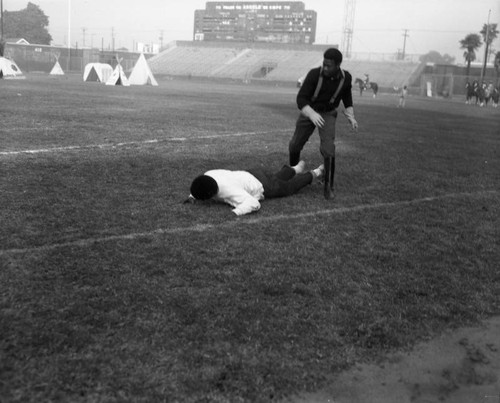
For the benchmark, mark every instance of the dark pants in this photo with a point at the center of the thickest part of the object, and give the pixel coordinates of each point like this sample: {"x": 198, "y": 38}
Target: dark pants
{"x": 304, "y": 128}
{"x": 283, "y": 183}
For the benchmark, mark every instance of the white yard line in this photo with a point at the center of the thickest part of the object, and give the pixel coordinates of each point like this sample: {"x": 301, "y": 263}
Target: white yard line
{"x": 246, "y": 220}
{"x": 136, "y": 143}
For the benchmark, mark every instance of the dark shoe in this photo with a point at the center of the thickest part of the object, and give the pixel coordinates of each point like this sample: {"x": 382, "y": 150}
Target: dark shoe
{"x": 328, "y": 193}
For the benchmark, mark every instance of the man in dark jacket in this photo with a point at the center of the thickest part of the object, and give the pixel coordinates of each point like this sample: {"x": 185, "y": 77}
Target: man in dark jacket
{"x": 318, "y": 99}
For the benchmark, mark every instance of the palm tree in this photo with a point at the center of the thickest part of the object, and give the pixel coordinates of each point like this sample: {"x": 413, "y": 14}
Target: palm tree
{"x": 489, "y": 33}
{"x": 492, "y": 35}
{"x": 497, "y": 66}
{"x": 470, "y": 43}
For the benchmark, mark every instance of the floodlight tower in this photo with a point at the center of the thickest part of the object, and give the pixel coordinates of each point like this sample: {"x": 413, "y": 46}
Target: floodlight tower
{"x": 1, "y": 32}
{"x": 1, "y": 19}
{"x": 348, "y": 28}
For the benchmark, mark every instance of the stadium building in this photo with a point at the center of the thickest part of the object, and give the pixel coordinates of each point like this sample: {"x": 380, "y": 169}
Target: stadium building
{"x": 277, "y": 22}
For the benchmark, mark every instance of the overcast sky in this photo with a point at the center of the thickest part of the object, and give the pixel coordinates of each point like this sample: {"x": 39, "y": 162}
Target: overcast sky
{"x": 379, "y": 24}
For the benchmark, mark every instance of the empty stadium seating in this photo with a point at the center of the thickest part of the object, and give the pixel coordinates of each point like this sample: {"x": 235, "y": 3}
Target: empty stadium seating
{"x": 385, "y": 73}
{"x": 248, "y": 62}
{"x": 190, "y": 61}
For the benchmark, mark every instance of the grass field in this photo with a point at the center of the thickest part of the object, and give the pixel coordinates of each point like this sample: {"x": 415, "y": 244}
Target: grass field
{"x": 112, "y": 290}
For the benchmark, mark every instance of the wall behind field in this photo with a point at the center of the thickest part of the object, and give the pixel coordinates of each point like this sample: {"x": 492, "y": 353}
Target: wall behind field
{"x": 41, "y": 58}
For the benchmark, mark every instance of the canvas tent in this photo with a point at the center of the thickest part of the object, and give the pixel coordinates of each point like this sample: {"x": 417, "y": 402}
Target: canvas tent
{"x": 57, "y": 70}
{"x": 141, "y": 73}
{"x": 99, "y": 72}
{"x": 9, "y": 69}
{"x": 118, "y": 77}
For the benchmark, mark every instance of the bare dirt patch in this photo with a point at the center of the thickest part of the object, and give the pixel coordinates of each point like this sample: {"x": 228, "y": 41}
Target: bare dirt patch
{"x": 460, "y": 366}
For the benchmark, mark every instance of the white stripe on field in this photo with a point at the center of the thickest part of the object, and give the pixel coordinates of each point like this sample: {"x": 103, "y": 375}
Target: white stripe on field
{"x": 133, "y": 143}
{"x": 245, "y": 221}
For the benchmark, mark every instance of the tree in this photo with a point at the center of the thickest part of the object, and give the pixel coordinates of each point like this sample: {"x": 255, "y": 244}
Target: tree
{"x": 470, "y": 43}
{"x": 497, "y": 66}
{"x": 435, "y": 57}
{"x": 448, "y": 59}
{"x": 30, "y": 23}
{"x": 489, "y": 33}
{"x": 492, "y": 35}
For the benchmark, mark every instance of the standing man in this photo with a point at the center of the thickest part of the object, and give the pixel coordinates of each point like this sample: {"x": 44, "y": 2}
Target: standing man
{"x": 318, "y": 99}
{"x": 402, "y": 96}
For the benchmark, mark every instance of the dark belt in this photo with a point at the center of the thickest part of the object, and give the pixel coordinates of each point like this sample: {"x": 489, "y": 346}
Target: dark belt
{"x": 322, "y": 108}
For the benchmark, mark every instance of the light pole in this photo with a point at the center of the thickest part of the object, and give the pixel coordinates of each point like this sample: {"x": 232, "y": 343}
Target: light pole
{"x": 483, "y": 70}
{"x": 1, "y": 17}
{"x": 69, "y": 35}
{"x": 404, "y": 44}
{"x": 1, "y": 33}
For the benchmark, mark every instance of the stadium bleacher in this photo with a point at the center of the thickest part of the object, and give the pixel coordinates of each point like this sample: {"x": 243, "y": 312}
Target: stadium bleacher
{"x": 297, "y": 65}
{"x": 251, "y": 62}
{"x": 246, "y": 62}
{"x": 190, "y": 61}
{"x": 387, "y": 74}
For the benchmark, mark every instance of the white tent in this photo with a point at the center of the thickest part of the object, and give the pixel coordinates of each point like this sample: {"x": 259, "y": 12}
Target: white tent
{"x": 118, "y": 77}
{"x": 99, "y": 72}
{"x": 141, "y": 73}
{"x": 9, "y": 69}
{"x": 56, "y": 70}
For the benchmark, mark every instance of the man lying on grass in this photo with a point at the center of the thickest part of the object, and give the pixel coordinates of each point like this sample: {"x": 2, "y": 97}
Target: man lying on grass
{"x": 243, "y": 189}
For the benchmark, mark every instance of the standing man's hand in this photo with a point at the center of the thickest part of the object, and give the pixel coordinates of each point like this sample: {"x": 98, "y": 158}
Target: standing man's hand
{"x": 313, "y": 116}
{"x": 354, "y": 125}
{"x": 349, "y": 114}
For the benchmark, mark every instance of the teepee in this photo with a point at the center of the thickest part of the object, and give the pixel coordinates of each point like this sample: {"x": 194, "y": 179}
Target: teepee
{"x": 99, "y": 72}
{"x": 57, "y": 69}
{"x": 9, "y": 69}
{"x": 118, "y": 77}
{"x": 141, "y": 73}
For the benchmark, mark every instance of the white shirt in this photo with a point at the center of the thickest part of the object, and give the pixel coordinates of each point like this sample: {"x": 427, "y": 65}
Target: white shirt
{"x": 239, "y": 189}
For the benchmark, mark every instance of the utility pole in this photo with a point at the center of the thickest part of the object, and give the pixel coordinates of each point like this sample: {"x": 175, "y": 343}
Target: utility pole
{"x": 69, "y": 35}
{"x": 83, "y": 32}
{"x": 483, "y": 70}
{"x": 113, "y": 39}
{"x": 2, "y": 45}
{"x": 1, "y": 17}
{"x": 404, "y": 44}
{"x": 161, "y": 40}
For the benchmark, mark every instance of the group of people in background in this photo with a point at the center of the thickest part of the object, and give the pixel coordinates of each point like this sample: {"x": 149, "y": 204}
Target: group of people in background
{"x": 481, "y": 94}
{"x": 475, "y": 94}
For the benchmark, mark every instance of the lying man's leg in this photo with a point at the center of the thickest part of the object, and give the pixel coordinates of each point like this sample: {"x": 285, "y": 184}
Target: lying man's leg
{"x": 282, "y": 188}
{"x": 286, "y": 173}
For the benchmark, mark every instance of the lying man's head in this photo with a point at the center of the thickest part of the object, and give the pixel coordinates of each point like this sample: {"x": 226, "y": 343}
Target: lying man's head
{"x": 204, "y": 187}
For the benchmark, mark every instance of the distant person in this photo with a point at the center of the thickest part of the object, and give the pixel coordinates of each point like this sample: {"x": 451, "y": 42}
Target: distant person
{"x": 469, "y": 92}
{"x": 488, "y": 92}
{"x": 318, "y": 99}
{"x": 402, "y": 96}
{"x": 367, "y": 81}
{"x": 495, "y": 95}
{"x": 243, "y": 190}
{"x": 477, "y": 91}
